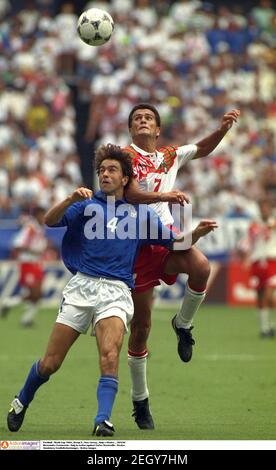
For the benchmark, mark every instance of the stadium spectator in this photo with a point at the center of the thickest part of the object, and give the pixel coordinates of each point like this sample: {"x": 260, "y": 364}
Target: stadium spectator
{"x": 258, "y": 249}
{"x": 263, "y": 14}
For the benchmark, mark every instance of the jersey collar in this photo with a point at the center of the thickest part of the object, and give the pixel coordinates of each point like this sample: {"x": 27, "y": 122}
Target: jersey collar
{"x": 155, "y": 157}
{"x": 102, "y": 196}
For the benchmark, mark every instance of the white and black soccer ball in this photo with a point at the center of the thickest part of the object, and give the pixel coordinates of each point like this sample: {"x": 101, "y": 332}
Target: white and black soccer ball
{"x": 95, "y": 27}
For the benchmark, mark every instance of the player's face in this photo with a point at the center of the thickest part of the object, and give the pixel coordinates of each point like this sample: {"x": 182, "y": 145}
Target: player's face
{"x": 111, "y": 179}
{"x": 144, "y": 124}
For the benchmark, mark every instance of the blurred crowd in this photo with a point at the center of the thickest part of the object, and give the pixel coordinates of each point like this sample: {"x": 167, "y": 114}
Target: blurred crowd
{"x": 194, "y": 60}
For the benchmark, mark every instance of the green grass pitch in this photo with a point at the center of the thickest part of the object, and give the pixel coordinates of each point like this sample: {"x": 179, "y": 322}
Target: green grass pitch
{"x": 227, "y": 391}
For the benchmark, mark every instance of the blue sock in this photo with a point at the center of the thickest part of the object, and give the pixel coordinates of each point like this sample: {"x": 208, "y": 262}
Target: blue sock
{"x": 33, "y": 382}
{"x": 106, "y": 392}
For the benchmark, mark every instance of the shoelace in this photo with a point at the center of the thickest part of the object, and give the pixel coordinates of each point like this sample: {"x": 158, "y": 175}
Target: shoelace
{"x": 187, "y": 334}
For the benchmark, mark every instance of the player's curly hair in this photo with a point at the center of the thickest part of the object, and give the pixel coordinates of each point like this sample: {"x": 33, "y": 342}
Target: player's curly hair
{"x": 114, "y": 152}
{"x": 144, "y": 106}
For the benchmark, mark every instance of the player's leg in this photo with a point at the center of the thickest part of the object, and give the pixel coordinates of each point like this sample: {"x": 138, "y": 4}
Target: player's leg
{"x": 61, "y": 340}
{"x": 196, "y": 265}
{"x": 263, "y": 279}
{"x": 265, "y": 304}
{"x": 7, "y": 304}
{"x": 31, "y": 278}
{"x": 263, "y": 313}
{"x": 109, "y": 334}
{"x": 271, "y": 305}
{"x": 137, "y": 357}
{"x": 270, "y": 294}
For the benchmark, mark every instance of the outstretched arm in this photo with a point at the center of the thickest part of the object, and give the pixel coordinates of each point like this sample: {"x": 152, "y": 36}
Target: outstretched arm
{"x": 207, "y": 145}
{"x": 203, "y": 228}
{"x": 55, "y": 213}
{"x": 135, "y": 195}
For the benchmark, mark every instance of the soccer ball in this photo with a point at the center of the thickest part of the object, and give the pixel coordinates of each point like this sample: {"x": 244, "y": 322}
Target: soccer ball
{"x": 95, "y": 26}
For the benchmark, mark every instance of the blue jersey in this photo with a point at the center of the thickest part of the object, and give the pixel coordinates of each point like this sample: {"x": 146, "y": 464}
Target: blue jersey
{"x": 102, "y": 239}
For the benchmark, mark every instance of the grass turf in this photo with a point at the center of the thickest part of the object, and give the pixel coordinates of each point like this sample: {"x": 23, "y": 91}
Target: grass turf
{"x": 227, "y": 391}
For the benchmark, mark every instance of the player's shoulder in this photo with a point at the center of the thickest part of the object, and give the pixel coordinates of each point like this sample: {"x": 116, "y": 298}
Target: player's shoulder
{"x": 131, "y": 151}
{"x": 171, "y": 148}
{"x": 79, "y": 204}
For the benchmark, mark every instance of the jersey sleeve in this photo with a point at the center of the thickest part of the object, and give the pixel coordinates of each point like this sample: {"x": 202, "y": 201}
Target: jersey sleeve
{"x": 71, "y": 215}
{"x": 71, "y": 247}
{"x": 185, "y": 153}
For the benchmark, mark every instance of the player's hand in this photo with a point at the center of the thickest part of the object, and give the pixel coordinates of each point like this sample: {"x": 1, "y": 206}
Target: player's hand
{"x": 175, "y": 197}
{"x": 80, "y": 194}
{"x": 203, "y": 228}
{"x": 229, "y": 118}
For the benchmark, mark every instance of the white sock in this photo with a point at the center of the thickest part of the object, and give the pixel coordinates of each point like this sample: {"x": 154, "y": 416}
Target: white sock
{"x": 264, "y": 319}
{"x": 191, "y": 302}
{"x": 30, "y": 311}
{"x": 138, "y": 373}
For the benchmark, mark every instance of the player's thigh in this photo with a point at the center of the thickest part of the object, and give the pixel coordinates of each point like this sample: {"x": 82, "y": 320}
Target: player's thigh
{"x": 191, "y": 261}
{"x": 60, "y": 341}
{"x": 110, "y": 334}
{"x": 142, "y": 305}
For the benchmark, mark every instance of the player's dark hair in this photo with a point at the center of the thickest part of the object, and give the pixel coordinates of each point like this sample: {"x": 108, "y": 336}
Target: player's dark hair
{"x": 144, "y": 106}
{"x": 114, "y": 152}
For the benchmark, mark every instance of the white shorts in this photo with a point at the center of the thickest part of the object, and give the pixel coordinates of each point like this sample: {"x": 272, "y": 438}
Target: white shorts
{"x": 87, "y": 299}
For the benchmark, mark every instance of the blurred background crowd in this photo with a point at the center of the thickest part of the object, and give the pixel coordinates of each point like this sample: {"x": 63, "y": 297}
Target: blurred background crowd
{"x": 194, "y": 60}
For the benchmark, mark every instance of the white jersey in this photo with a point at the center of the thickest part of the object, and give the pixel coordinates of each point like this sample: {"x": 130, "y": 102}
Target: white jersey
{"x": 157, "y": 171}
{"x": 31, "y": 240}
{"x": 260, "y": 242}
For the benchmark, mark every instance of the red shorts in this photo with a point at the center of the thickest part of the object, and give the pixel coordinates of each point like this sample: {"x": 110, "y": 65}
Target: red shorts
{"x": 149, "y": 268}
{"x": 31, "y": 274}
{"x": 263, "y": 274}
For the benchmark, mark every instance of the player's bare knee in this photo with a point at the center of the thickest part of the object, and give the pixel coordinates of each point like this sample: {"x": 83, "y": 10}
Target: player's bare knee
{"x": 200, "y": 270}
{"x": 141, "y": 329}
{"x": 109, "y": 362}
{"x": 205, "y": 269}
{"x": 141, "y": 322}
